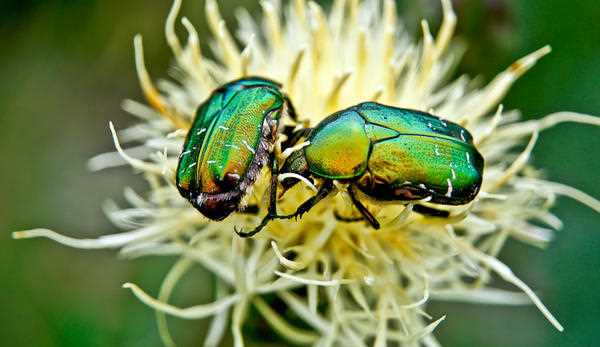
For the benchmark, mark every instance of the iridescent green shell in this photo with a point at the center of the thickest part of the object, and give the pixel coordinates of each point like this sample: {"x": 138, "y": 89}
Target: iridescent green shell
{"x": 396, "y": 154}
{"x": 228, "y": 144}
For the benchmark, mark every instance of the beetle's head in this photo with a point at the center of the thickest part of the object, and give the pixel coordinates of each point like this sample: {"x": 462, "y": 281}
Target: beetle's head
{"x": 294, "y": 164}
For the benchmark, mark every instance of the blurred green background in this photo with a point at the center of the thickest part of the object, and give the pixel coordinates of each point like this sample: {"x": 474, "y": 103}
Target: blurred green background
{"x": 65, "y": 66}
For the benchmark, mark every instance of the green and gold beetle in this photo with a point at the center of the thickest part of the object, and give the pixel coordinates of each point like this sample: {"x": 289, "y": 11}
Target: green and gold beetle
{"x": 388, "y": 154}
{"x": 230, "y": 140}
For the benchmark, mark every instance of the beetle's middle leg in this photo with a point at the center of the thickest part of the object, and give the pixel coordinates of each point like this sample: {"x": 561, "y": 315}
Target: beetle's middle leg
{"x": 341, "y": 218}
{"x": 362, "y": 209}
{"x": 420, "y": 209}
{"x": 272, "y": 209}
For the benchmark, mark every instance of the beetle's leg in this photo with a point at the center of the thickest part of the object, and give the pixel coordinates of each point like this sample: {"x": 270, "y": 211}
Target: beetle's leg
{"x": 323, "y": 191}
{"x": 272, "y": 210}
{"x": 288, "y": 131}
{"x": 362, "y": 209}
{"x": 429, "y": 211}
{"x": 250, "y": 209}
{"x": 293, "y": 135}
{"x": 347, "y": 219}
{"x": 291, "y": 110}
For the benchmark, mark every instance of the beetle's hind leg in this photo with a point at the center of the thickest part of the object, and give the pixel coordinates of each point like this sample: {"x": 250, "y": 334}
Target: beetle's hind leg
{"x": 272, "y": 210}
{"x": 362, "y": 209}
{"x": 430, "y": 211}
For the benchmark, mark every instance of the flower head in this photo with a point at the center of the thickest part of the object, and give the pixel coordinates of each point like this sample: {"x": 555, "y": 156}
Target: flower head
{"x": 348, "y": 284}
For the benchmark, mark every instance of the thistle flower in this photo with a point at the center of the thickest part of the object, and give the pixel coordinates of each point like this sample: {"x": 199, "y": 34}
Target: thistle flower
{"x": 347, "y": 284}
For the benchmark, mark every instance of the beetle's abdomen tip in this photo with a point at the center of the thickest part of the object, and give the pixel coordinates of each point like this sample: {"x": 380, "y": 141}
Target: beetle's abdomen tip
{"x": 230, "y": 182}
{"x": 216, "y": 211}
{"x": 218, "y": 206}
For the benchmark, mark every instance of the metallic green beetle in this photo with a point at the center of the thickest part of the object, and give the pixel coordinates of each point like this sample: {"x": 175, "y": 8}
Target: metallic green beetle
{"x": 229, "y": 142}
{"x": 388, "y": 154}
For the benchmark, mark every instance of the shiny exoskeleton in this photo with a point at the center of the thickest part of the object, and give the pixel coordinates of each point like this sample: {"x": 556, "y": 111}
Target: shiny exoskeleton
{"x": 230, "y": 140}
{"x": 388, "y": 154}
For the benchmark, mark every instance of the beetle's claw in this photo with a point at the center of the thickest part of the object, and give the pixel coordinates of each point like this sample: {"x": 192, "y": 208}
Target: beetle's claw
{"x": 241, "y": 233}
{"x": 254, "y": 231}
{"x": 294, "y": 216}
{"x": 237, "y": 231}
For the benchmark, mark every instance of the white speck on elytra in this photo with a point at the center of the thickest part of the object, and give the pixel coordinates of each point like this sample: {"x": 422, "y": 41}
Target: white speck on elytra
{"x": 248, "y": 146}
{"x": 437, "y": 151}
{"x": 453, "y": 173}
{"x": 211, "y": 161}
{"x": 192, "y": 165}
{"x": 223, "y": 128}
{"x": 462, "y": 135}
{"x": 232, "y": 146}
{"x": 186, "y": 152}
{"x": 422, "y": 186}
{"x": 449, "y": 191}
{"x": 199, "y": 132}
{"x": 468, "y": 157}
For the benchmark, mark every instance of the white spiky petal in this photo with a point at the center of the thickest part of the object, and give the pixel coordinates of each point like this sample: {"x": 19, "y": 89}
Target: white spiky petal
{"x": 352, "y": 274}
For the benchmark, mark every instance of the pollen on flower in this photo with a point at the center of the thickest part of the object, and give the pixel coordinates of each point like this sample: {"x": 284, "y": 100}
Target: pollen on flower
{"x": 361, "y": 284}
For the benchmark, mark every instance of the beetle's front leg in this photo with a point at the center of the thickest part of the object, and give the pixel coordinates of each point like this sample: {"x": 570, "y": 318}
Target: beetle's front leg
{"x": 293, "y": 135}
{"x": 323, "y": 192}
{"x": 272, "y": 210}
{"x": 291, "y": 110}
{"x": 250, "y": 209}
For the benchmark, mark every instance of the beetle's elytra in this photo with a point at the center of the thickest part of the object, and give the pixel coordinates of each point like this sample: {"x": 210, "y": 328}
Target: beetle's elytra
{"x": 230, "y": 140}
